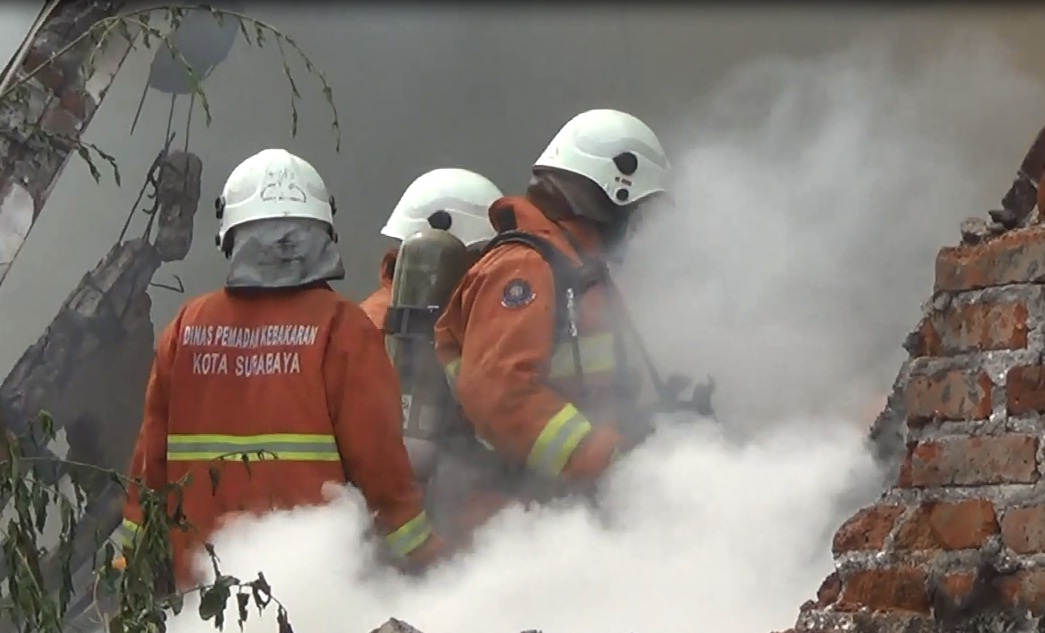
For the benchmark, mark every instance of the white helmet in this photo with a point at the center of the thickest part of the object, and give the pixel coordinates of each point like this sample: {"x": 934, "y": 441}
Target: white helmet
{"x": 273, "y": 184}
{"x": 464, "y": 195}
{"x": 613, "y": 149}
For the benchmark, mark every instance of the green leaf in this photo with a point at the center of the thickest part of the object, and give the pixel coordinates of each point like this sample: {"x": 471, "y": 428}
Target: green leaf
{"x": 243, "y": 31}
{"x": 85, "y": 154}
{"x": 40, "y": 503}
{"x": 46, "y": 422}
{"x": 214, "y": 599}
{"x": 226, "y": 582}
{"x": 176, "y": 602}
{"x": 242, "y": 602}
{"x": 283, "y": 621}
{"x": 261, "y": 592}
{"x": 211, "y": 604}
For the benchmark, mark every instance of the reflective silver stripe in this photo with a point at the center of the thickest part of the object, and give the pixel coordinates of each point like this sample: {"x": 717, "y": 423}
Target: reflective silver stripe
{"x": 555, "y": 445}
{"x": 285, "y": 446}
{"x": 597, "y": 356}
{"x": 410, "y": 535}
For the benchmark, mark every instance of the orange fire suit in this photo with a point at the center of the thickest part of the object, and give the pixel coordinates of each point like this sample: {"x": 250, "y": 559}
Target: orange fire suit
{"x": 299, "y": 383}
{"x": 376, "y": 305}
{"x": 516, "y": 385}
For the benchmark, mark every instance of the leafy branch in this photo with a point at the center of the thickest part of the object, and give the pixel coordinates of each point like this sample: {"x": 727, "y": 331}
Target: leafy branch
{"x": 40, "y": 587}
{"x": 99, "y": 35}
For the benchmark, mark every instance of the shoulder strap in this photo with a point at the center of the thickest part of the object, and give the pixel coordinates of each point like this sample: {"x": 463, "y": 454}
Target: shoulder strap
{"x": 566, "y": 275}
{"x": 571, "y": 282}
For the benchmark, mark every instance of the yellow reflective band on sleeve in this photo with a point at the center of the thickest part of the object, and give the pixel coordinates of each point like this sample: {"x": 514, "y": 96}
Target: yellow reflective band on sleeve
{"x": 452, "y": 370}
{"x": 300, "y": 447}
{"x": 561, "y": 436}
{"x": 124, "y": 535}
{"x": 597, "y": 356}
{"x": 410, "y": 535}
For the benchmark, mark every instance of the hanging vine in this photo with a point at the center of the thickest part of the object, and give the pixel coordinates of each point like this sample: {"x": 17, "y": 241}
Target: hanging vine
{"x": 33, "y": 598}
{"x": 141, "y": 24}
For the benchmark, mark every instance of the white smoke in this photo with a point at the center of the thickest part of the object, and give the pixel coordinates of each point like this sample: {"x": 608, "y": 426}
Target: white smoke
{"x": 691, "y": 531}
{"x": 811, "y": 202}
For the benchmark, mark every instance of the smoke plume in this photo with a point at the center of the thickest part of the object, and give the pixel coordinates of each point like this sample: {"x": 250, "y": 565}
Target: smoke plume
{"x": 812, "y": 197}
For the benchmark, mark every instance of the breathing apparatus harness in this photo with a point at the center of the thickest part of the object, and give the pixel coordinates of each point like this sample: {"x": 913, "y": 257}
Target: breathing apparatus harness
{"x": 571, "y": 283}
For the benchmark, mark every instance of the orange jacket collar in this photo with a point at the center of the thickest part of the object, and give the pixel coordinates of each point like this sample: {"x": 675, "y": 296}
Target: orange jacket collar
{"x": 388, "y": 264}
{"x": 519, "y": 212}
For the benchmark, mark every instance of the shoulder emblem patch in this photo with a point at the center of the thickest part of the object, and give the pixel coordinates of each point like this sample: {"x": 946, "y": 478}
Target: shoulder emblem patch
{"x": 517, "y": 294}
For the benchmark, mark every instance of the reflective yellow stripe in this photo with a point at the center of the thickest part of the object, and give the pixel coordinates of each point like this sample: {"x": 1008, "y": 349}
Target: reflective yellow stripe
{"x": 301, "y": 447}
{"x": 452, "y": 370}
{"x": 556, "y": 443}
{"x": 124, "y": 535}
{"x": 597, "y": 356}
{"x": 410, "y": 535}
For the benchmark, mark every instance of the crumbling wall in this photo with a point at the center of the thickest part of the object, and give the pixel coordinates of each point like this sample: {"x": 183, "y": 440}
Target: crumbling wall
{"x": 957, "y": 543}
{"x": 60, "y": 99}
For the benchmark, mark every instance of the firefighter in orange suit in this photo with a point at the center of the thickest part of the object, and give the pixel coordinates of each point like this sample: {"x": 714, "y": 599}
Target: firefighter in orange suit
{"x": 528, "y": 340}
{"x": 464, "y": 197}
{"x": 279, "y": 368}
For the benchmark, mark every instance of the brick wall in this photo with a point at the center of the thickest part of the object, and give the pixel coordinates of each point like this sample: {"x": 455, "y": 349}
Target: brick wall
{"x": 957, "y": 543}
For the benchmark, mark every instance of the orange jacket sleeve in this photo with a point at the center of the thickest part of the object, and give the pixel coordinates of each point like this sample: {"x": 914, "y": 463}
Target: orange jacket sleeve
{"x": 149, "y": 460}
{"x": 364, "y": 400}
{"x": 504, "y": 355}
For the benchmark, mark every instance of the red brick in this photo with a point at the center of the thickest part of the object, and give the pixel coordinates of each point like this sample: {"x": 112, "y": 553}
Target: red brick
{"x": 829, "y": 590}
{"x": 74, "y": 102}
{"x": 59, "y": 121}
{"x": 1025, "y": 589}
{"x": 948, "y": 526}
{"x": 1025, "y": 389}
{"x": 896, "y": 589}
{"x": 49, "y": 74}
{"x": 1015, "y": 257}
{"x": 1023, "y": 529}
{"x": 926, "y": 342}
{"x": 971, "y": 461}
{"x": 958, "y": 586}
{"x": 975, "y": 327}
{"x": 866, "y": 530}
{"x": 954, "y": 394}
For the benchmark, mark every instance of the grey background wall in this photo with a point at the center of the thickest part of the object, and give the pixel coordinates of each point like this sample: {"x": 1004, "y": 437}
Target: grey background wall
{"x": 484, "y": 89}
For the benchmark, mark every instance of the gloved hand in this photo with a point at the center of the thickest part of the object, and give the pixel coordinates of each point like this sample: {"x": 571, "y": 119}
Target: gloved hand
{"x": 433, "y": 551}
{"x": 699, "y": 401}
{"x": 595, "y": 454}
